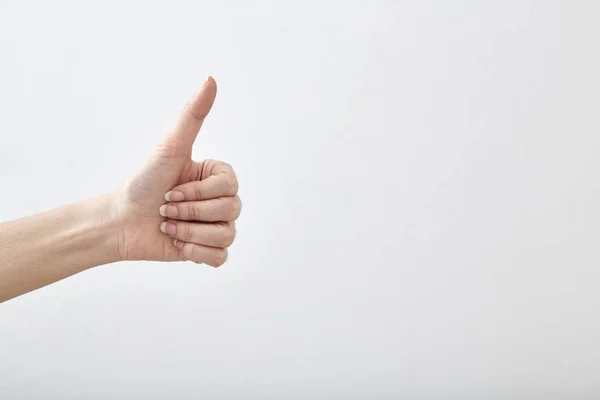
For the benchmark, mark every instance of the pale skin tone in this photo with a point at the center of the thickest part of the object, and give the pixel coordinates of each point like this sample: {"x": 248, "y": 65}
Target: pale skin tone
{"x": 171, "y": 209}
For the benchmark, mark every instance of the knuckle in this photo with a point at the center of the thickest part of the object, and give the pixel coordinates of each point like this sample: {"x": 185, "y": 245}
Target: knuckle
{"x": 219, "y": 258}
{"x": 198, "y": 116}
{"x": 223, "y": 167}
{"x": 229, "y": 210}
{"x": 227, "y": 236}
{"x": 196, "y": 255}
{"x": 198, "y": 191}
{"x": 232, "y": 186}
{"x": 192, "y": 211}
{"x": 167, "y": 149}
{"x": 236, "y": 207}
{"x": 187, "y": 234}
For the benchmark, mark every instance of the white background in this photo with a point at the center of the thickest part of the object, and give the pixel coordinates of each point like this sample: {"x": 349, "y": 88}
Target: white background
{"x": 420, "y": 187}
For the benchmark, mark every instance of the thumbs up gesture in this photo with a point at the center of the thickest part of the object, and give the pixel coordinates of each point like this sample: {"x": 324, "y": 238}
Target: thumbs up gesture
{"x": 176, "y": 209}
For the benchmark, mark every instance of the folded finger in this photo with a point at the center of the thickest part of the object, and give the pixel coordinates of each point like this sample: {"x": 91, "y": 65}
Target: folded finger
{"x": 218, "y": 234}
{"x": 202, "y": 254}
{"x": 222, "y": 209}
{"x": 216, "y": 179}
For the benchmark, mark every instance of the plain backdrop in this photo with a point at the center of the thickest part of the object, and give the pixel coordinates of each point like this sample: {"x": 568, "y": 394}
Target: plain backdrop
{"x": 420, "y": 187}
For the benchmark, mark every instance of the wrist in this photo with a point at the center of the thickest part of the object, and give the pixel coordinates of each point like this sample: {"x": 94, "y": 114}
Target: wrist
{"x": 99, "y": 229}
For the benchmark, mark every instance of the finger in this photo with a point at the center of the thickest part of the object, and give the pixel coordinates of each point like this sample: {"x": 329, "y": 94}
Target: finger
{"x": 219, "y": 234}
{"x": 188, "y": 125}
{"x": 220, "y": 181}
{"x": 221, "y": 209}
{"x": 202, "y": 254}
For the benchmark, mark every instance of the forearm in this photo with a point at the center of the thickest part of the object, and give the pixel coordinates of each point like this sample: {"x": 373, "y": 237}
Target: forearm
{"x": 44, "y": 248}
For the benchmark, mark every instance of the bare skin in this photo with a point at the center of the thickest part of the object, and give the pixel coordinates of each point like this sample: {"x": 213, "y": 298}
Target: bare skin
{"x": 172, "y": 209}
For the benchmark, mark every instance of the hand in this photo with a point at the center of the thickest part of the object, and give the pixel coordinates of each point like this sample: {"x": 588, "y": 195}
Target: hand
{"x": 197, "y": 221}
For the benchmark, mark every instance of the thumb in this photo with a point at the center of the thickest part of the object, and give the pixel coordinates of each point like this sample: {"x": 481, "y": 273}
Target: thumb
{"x": 184, "y": 132}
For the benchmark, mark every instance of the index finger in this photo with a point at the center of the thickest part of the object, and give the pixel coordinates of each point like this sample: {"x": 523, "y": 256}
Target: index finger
{"x": 213, "y": 179}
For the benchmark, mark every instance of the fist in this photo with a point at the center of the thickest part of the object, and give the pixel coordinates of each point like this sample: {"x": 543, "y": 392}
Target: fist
{"x": 200, "y": 215}
{"x": 176, "y": 209}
